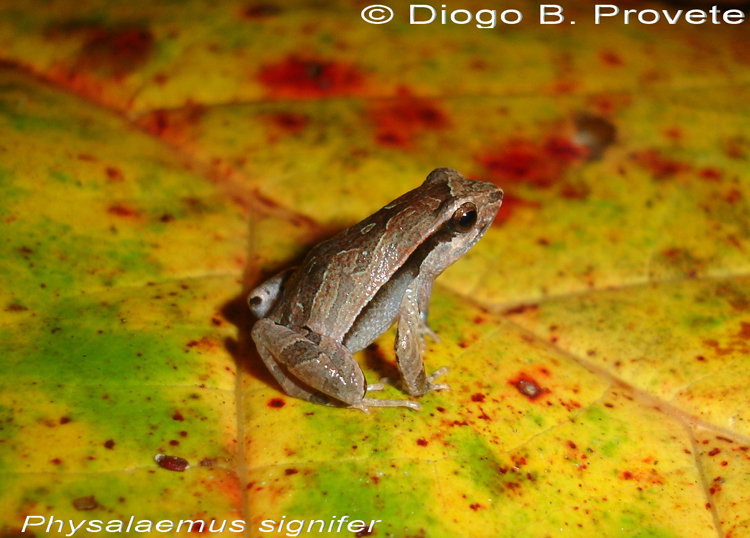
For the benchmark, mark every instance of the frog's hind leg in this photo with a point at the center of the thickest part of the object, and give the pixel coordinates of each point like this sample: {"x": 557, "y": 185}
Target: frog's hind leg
{"x": 301, "y": 360}
{"x": 290, "y": 385}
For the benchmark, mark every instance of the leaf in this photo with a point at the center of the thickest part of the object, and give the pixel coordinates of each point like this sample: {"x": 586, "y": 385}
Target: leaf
{"x": 158, "y": 161}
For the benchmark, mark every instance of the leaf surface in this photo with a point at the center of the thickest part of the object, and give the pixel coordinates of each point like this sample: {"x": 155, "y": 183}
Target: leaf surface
{"x": 158, "y": 161}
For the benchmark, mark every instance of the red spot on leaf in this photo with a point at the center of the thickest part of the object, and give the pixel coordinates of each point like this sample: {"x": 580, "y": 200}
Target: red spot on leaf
{"x": 122, "y": 211}
{"x": 478, "y": 397}
{"x": 398, "y": 123}
{"x": 157, "y": 122}
{"x": 511, "y": 204}
{"x": 733, "y": 196}
{"x": 710, "y": 174}
{"x": 204, "y": 344}
{"x": 114, "y": 174}
{"x": 673, "y": 133}
{"x": 607, "y": 105}
{"x": 522, "y": 308}
{"x": 717, "y": 347}
{"x": 288, "y": 122}
{"x": 178, "y": 417}
{"x": 736, "y": 148}
{"x": 260, "y": 10}
{"x": 299, "y": 78}
{"x": 562, "y": 86}
{"x": 745, "y": 330}
{"x": 174, "y": 125}
{"x": 659, "y": 166}
{"x": 575, "y": 192}
{"x": 539, "y": 164}
{"x": 610, "y": 58}
{"x": 115, "y": 52}
{"x": 714, "y": 451}
{"x": 290, "y": 471}
{"x": 276, "y": 402}
{"x": 422, "y": 441}
{"x": 110, "y": 444}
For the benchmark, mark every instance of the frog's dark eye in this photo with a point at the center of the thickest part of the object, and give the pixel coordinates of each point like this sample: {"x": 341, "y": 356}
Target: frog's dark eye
{"x": 464, "y": 218}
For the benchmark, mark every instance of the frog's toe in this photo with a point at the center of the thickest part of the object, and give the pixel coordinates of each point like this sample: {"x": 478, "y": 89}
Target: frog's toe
{"x": 389, "y": 381}
{"x": 426, "y": 331}
{"x": 362, "y": 406}
{"x": 374, "y": 387}
{"x": 437, "y": 373}
{"x": 377, "y": 402}
{"x": 431, "y": 386}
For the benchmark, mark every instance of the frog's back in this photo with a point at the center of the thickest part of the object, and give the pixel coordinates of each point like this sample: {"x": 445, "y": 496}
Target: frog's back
{"x": 340, "y": 276}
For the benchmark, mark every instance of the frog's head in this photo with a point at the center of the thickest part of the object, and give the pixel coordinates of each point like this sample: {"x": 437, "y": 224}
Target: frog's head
{"x": 468, "y": 208}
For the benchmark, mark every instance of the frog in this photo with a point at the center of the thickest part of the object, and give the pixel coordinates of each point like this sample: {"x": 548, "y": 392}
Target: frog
{"x": 352, "y": 288}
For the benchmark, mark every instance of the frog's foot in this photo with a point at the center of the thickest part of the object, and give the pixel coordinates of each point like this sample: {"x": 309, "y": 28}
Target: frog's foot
{"x": 424, "y": 330}
{"x": 429, "y": 385}
{"x": 366, "y": 403}
{"x": 374, "y": 387}
{"x": 437, "y": 386}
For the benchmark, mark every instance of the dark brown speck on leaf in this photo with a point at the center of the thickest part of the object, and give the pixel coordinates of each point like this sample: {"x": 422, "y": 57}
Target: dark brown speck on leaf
{"x": 85, "y": 503}
{"x": 528, "y": 387}
{"x": 171, "y": 463}
{"x": 596, "y": 133}
{"x": 260, "y": 10}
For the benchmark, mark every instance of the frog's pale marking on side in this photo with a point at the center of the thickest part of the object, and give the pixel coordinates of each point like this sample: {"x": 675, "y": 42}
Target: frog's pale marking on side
{"x": 314, "y": 317}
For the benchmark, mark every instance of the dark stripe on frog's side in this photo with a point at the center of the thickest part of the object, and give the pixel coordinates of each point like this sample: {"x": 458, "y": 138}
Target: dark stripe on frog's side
{"x": 383, "y": 309}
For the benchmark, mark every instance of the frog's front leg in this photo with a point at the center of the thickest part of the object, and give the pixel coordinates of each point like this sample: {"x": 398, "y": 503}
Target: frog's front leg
{"x": 409, "y": 345}
{"x": 307, "y": 364}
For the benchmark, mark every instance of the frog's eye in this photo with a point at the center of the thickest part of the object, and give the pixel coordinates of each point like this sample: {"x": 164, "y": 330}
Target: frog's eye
{"x": 464, "y": 218}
